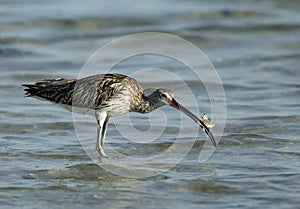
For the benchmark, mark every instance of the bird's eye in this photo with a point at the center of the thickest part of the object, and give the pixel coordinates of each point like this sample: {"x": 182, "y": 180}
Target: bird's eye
{"x": 164, "y": 96}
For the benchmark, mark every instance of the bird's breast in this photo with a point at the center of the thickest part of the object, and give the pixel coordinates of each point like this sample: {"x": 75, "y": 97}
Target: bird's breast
{"x": 117, "y": 105}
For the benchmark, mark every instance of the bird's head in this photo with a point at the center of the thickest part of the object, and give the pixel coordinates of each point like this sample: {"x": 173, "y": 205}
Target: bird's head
{"x": 161, "y": 97}
{"x": 164, "y": 96}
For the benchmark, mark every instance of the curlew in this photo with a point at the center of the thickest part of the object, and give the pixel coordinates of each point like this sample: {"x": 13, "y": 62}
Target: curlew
{"x": 108, "y": 95}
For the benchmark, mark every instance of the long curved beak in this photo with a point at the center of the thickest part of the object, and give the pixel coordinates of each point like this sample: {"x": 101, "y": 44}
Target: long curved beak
{"x": 176, "y": 105}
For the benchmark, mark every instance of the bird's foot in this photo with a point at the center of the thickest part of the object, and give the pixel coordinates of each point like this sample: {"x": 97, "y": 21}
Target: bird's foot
{"x": 100, "y": 150}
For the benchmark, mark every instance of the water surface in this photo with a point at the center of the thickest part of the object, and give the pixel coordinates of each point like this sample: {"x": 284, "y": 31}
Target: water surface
{"x": 253, "y": 45}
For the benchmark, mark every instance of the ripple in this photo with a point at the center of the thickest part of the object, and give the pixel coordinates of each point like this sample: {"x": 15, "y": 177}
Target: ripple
{"x": 200, "y": 186}
{"x": 90, "y": 172}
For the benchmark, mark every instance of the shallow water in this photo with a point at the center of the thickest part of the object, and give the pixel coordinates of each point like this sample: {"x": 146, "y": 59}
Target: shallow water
{"x": 253, "y": 45}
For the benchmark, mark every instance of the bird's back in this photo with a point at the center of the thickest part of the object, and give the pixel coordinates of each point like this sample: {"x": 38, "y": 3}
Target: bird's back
{"x": 91, "y": 92}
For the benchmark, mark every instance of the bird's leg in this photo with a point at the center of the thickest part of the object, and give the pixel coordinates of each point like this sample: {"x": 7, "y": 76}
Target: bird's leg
{"x": 104, "y": 129}
{"x": 102, "y": 121}
{"x": 99, "y": 147}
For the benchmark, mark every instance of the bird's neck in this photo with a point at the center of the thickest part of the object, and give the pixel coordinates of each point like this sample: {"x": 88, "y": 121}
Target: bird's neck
{"x": 148, "y": 104}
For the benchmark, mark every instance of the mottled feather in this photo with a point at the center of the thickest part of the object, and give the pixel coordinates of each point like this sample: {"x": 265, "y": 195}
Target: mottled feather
{"x": 93, "y": 92}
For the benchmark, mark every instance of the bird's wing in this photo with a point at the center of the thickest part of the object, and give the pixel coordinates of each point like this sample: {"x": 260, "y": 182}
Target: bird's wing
{"x": 89, "y": 92}
{"x": 93, "y": 91}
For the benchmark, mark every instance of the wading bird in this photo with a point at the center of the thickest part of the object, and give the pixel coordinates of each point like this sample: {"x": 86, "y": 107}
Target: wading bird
{"x": 108, "y": 95}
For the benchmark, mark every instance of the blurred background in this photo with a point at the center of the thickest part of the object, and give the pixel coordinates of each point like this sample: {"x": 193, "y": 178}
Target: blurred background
{"x": 254, "y": 46}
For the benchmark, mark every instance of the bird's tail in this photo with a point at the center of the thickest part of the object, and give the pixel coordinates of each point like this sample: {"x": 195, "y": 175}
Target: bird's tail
{"x": 58, "y": 90}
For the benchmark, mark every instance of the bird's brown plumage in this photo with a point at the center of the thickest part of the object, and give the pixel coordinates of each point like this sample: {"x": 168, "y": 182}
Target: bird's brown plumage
{"x": 90, "y": 92}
